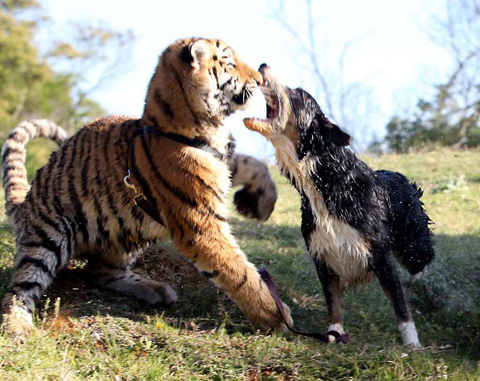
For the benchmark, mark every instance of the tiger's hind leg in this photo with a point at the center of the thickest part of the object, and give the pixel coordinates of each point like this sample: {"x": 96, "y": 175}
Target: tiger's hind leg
{"x": 124, "y": 280}
{"x": 39, "y": 257}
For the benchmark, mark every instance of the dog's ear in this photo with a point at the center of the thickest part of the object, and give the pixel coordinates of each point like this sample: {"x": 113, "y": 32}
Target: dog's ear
{"x": 333, "y": 134}
{"x": 330, "y": 132}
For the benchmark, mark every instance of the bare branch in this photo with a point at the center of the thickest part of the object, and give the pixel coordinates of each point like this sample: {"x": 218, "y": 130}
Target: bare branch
{"x": 345, "y": 103}
{"x": 312, "y": 52}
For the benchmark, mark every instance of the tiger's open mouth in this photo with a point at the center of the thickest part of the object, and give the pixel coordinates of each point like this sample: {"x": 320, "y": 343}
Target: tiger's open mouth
{"x": 271, "y": 92}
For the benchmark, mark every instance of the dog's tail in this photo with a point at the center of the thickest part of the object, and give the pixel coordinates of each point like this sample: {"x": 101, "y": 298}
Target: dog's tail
{"x": 413, "y": 241}
{"x": 418, "y": 244}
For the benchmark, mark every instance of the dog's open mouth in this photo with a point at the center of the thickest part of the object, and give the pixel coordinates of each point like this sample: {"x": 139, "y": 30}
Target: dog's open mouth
{"x": 270, "y": 93}
{"x": 271, "y": 98}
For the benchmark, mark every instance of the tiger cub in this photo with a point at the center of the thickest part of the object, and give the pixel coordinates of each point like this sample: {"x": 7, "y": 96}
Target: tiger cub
{"x": 83, "y": 202}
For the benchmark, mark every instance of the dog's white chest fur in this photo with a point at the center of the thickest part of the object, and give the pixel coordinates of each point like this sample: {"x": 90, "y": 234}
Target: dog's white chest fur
{"x": 333, "y": 240}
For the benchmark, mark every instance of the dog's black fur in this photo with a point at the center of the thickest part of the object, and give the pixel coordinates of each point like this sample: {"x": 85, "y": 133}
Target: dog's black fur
{"x": 383, "y": 206}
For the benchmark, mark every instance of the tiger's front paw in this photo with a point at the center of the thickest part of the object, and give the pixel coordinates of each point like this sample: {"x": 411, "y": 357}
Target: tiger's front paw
{"x": 288, "y": 319}
{"x": 273, "y": 321}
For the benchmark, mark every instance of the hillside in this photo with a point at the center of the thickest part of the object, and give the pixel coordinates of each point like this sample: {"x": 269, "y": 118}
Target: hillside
{"x": 90, "y": 333}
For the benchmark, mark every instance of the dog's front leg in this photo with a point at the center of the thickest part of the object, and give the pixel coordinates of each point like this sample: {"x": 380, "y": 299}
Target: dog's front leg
{"x": 333, "y": 293}
{"x": 384, "y": 268}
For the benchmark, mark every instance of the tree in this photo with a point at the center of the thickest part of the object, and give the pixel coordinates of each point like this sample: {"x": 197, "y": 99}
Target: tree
{"x": 97, "y": 50}
{"x": 49, "y": 81}
{"x": 22, "y": 73}
{"x": 348, "y": 104}
{"x": 452, "y": 116}
{"x": 52, "y": 85}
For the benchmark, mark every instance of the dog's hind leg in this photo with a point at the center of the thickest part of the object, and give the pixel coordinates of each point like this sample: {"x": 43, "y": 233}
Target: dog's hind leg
{"x": 332, "y": 291}
{"x": 384, "y": 268}
{"x": 415, "y": 277}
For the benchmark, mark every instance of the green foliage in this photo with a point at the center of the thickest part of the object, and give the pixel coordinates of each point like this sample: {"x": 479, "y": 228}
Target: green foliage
{"x": 433, "y": 127}
{"x": 16, "y": 5}
{"x": 38, "y": 153}
{"x": 29, "y": 87}
{"x": 97, "y": 51}
{"x": 53, "y": 86}
{"x": 451, "y": 117}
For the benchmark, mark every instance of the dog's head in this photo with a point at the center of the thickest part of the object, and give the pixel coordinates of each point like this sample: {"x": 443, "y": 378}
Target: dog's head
{"x": 294, "y": 113}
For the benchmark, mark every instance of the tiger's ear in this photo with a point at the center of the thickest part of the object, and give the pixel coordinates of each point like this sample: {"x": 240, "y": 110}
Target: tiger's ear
{"x": 332, "y": 133}
{"x": 195, "y": 53}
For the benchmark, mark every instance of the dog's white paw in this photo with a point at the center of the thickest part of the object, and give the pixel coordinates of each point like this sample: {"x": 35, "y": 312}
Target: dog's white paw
{"x": 335, "y": 327}
{"x": 409, "y": 334}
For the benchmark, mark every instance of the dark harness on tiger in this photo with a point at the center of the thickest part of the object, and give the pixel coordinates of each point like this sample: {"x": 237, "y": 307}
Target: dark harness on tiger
{"x": 139, "y": 199}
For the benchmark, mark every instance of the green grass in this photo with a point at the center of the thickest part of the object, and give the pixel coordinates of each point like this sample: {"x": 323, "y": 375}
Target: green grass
{"x": 97, "y": 334}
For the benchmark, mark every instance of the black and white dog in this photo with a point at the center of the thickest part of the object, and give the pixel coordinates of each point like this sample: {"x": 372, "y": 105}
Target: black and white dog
{"x": 354, "y": 219}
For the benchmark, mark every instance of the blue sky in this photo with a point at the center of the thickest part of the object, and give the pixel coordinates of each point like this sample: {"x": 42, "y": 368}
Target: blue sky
{"x": 394, "y": 56}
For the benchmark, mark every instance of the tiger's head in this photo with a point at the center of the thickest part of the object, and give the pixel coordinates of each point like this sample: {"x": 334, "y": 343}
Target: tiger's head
{"x": 198, "y": 83}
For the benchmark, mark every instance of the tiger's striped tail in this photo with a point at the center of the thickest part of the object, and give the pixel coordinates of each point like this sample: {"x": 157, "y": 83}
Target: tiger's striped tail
{"x": 14, "y": 173}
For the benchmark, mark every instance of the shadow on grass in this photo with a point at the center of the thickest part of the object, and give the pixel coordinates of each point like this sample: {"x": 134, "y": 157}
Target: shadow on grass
{"x": 475, "y": 178}
{"x": 445, "y": 302}
{"x": 200, "y": 305}
{"x": 7, "y": 253}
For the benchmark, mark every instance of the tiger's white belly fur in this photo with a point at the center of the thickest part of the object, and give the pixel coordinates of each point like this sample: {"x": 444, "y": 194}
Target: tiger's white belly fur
{"x": 333, "y": 240}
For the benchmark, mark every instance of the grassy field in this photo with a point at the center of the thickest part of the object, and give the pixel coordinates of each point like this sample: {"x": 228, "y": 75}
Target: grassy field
{"x": 87, "y": 333}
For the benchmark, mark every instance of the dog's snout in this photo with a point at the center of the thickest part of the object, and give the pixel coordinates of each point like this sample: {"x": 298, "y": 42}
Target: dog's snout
{"x": 264, "y": 70}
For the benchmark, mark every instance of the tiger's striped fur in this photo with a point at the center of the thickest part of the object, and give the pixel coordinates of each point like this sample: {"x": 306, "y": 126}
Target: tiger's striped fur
{"x": 79, "y": 207}
{"x": 14, "y": 173}
{"x": 258, "y": 195}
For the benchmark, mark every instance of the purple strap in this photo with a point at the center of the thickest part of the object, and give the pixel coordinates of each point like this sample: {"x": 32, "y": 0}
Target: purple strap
{"x": 323, "y": 337}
